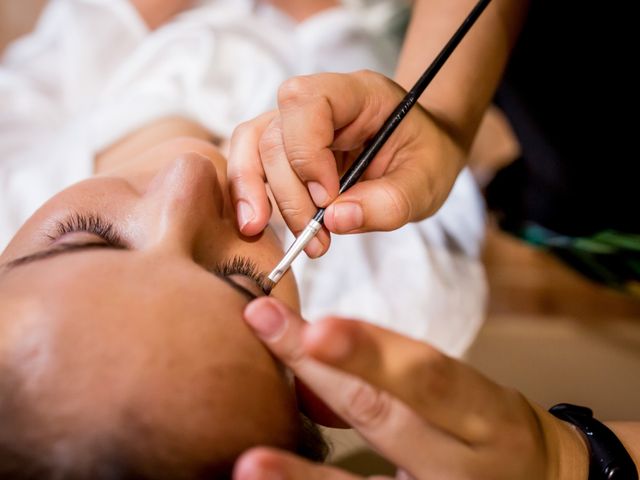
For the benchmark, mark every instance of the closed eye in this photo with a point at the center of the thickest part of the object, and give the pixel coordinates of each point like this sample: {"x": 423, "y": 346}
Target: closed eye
{"x": 89, "y": 223}
{"x": 242, "y": 266}
{"x": 94, "y": 224}
{"x": 67, "y": 248}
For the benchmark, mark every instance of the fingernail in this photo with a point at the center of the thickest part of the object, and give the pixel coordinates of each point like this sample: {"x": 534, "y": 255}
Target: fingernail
{"x": 272, "y": 475}
{"x": 266, "y": 319}
{"x": 314, "y": 248}
{"x": 347, "y": 216}
{"x": 247, "y": 469}
{"x": 261, "y": 473}
{"x": 318, "y": 194}
{"x": 245, "y": 213}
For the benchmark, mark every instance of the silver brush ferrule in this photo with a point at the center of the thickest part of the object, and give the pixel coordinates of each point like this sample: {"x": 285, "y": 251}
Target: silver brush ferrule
{"x": 298, "y": 246}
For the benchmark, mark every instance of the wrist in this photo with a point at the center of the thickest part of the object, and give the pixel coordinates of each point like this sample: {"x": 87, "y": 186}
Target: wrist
{"x": 566, "y": 448}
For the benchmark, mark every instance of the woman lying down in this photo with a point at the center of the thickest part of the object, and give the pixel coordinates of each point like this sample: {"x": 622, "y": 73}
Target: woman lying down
{"x": 124, "y": 354}
{"x": 123, "y": 351}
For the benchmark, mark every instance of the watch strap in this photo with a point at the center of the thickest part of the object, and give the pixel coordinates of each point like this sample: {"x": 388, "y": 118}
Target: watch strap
{"x": 609, "y": 460}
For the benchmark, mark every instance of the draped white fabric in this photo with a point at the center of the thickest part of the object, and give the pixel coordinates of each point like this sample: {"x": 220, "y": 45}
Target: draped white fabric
{"x": 91, "y": 72}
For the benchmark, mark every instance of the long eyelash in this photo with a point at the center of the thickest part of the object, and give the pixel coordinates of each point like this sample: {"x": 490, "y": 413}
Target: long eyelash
{"x": 242, "y": 266}
{"x": 91, "y": 223}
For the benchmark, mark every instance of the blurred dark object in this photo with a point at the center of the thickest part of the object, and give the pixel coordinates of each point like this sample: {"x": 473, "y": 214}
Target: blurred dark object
{"x": 565, "y": 92}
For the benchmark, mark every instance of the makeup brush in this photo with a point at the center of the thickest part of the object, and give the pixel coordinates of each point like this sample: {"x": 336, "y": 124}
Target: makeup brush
{"x": 375, "y": 144}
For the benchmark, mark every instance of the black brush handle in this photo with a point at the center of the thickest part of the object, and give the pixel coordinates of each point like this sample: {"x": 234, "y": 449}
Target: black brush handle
{"x": 356, "y": 170}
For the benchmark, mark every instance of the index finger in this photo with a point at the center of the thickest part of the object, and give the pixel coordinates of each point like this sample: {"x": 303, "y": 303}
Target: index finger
{"x": 388, "y": 424}
{"x": 318, "y": 111}
{"x": 443, "y": 391}
{"x": 246, "y": 176}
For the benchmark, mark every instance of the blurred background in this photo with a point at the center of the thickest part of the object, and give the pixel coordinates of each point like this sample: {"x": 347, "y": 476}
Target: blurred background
{"x": 550, "y": 332}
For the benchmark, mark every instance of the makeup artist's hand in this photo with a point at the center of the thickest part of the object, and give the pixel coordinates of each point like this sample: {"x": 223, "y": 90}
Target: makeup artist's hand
{"x": 430, "y": 415}
{"x": 321, "y": 124}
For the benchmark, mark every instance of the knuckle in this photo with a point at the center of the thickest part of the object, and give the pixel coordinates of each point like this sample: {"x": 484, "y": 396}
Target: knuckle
{"x": 380, "y": 106}
{"x": 270, "y": 146}
{"x": 235, "y": 173}
{"x": 375, "y": 82}
{"x": 294, "y": 355}
{"x": 435, "y": 368}
{"x": 244, "y": 132}
{"x": 378, "y": 82}
{"x": 239, "y": 179}
{"x": 294, "y": 88}
{"x": 291, "y": 211}
{"x": 238, "y": 169}
{"x": 368, "y": 72}
{"x": 367, "y": 406}
{"x": 369, "y": 76}
{"x": 300, "y": 159}
{"x": 399, "y": 206}
{"x": 242, "y": 129}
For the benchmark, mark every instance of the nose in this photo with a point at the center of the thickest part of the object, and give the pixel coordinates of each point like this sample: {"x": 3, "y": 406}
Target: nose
{"x": 183, "y": 202}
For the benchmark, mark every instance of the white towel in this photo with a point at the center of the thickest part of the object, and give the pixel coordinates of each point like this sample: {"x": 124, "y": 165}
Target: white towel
{"x": 91, "y": 72}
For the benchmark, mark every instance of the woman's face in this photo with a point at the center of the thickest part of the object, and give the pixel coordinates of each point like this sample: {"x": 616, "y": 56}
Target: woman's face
{"x": 121, "y": 307}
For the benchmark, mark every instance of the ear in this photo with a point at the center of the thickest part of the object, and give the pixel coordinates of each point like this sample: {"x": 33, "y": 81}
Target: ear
{"x": 315, "y": 408}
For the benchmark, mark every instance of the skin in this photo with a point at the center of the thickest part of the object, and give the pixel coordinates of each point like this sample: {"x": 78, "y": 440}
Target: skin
{"x": 462, "y": 91}
{"x": 145, "y": 335}
{"x": 322, "y": 354}
{"x": 302, "y": 9}
{"x": 157, "y": 12}
{"x": 299, "y": 149}
{"x": 429, "y": 414}
{"x": 322, "y": 121}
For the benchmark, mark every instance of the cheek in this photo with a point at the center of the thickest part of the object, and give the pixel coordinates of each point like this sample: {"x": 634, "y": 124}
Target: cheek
{"x": 22, "y": 329}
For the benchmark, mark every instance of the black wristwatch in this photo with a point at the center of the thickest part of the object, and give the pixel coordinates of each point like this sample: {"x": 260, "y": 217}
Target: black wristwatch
{"x": 609, "y": 460}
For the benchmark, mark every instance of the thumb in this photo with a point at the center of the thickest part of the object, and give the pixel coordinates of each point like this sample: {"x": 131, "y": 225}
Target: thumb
{"x": 382, "y": 204}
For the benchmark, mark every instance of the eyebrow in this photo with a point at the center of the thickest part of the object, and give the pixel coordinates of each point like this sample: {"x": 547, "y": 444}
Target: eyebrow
{"x": 65, "y": 248}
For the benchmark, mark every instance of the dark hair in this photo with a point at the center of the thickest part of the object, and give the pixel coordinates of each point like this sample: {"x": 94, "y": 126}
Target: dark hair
{"x": 109, "y": 457}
